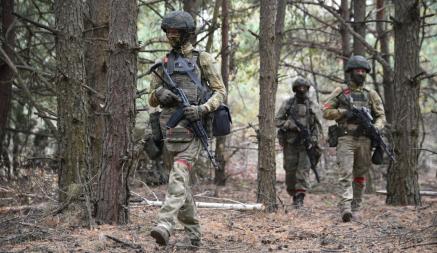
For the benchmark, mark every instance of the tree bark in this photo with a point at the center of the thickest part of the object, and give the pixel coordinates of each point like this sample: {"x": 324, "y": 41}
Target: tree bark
{"x": 213, "y": 26}
{"x": 266, "y": 192}
{"x": 220, "y": 175}
{"x": 387, "y": 76}
{"x": 96, "y": 72}
{"x": 72, "y": 99}
{"x": 113, "y": 201}
{"x": 359, "y": 26}
{"x": 6, "y": 72}
{"x": 279, "y": 31}
{"x": 192, "y": 7}
{"x": 345, "y": 34}
{"x": 402, "y": 178}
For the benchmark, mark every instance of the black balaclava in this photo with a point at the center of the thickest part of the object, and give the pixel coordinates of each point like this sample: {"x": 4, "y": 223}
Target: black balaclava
{"x": 301, "y": 95}
{"x": 357, "y": 78}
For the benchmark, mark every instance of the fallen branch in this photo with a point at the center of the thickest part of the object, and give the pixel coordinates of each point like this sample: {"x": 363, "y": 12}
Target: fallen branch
{"x": 422, "y": 193}
{"x": 124, "y": 243}
{"x": 16, "y": 209}
{"x": 420, "y": 244}
{"x": 215, "y": 205}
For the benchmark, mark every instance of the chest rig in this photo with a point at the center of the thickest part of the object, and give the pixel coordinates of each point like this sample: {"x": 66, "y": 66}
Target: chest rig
{"x": 301, "y": 111}
{"x": 186, "y": 74}
{"x": 358, "y": 99}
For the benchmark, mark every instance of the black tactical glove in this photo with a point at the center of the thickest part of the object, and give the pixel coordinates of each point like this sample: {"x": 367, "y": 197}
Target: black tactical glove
{"x": 166, "y": 97}
{"x": 349, "y": 115}
{"x": 194, "y": 112}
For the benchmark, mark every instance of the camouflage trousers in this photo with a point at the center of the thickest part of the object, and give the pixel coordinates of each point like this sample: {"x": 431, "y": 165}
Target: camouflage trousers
{"x": 297, "y": 168}
{"x": 179, "y": 204}
{"x": 354, "y": 162}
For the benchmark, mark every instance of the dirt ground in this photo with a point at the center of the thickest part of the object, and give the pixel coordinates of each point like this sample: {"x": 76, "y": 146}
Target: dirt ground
{"x": 315, "y": 228}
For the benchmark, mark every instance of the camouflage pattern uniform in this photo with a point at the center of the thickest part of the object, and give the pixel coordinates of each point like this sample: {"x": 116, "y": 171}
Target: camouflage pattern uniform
{"x": 354, "y": 148}
{"x": 181, "y": 142}
{"x": 296, "y": 162}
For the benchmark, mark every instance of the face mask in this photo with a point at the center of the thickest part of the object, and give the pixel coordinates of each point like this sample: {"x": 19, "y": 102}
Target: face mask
{"x": 301, "y": 92}
{"x": 175, "y": 42}
{"x": 358, "y": 78}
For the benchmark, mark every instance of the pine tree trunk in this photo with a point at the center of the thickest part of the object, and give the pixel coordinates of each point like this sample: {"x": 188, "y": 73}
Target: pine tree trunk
{"x": 359, "y": 25}
{"x": 72, "y": 96}
{"x": 266, "y": 192}
{"x": 96, "y": 72}
{"x": 6, "y": 72}
{"x": 113, "y": 201}
{"x": 402, "y": 179}
{"x": 387, "y": 77}
{"x": 345, "y": 34}
{"x": 192, "y": 7}
{"x": 220, "y": 176}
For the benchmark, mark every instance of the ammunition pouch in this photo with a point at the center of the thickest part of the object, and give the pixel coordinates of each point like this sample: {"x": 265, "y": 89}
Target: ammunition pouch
{"x": 333, "y": 134}
{"x": 221, "y": 123}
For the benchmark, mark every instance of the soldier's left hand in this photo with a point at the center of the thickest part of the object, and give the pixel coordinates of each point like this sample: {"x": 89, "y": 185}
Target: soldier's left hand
{"x": 194, "y": 112}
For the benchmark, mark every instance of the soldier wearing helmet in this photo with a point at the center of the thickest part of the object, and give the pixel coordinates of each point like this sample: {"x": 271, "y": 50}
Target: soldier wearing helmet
{"x": 353, "y": 145}
{"x": 196, "y": 73}
{"x": 296, "y": 162}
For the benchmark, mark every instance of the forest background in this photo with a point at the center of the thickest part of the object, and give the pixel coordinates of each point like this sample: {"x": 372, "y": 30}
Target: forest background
{"x": 66, "y": 65}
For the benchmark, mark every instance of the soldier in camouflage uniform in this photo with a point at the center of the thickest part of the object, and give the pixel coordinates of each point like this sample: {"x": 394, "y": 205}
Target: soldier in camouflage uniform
{"x": 296, "y": 162}
{"x": 354, "y": 147}
{"x": 196, "y": 73}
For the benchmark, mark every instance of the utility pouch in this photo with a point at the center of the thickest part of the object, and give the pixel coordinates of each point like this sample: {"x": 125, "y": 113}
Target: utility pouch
{"x": 155, "y": 126}
{"x": 153, "y": 150}
{"x": 333, "y": 135}
{"x": 221, "y": 123}
{"x": 153, "y": 142}
{"x": 378, "y": 156}
{"x": 282, "y": 135}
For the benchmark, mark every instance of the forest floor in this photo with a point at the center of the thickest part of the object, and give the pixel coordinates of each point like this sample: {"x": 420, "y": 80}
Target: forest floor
{"x": 315, "y": 228}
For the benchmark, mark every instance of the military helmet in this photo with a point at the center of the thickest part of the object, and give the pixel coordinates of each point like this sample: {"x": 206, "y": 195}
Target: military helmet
{"x": 178, "y": 20}
{"x": 300, "y": 81}
{"x": 357, "y": 61}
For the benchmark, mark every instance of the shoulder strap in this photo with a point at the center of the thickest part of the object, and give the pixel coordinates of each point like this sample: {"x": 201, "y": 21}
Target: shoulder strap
{"x": 196, "y": 57}
{"x": 171, "y": 56}
{"x": 288, "y": 107}
{"x": 191, "y": 73}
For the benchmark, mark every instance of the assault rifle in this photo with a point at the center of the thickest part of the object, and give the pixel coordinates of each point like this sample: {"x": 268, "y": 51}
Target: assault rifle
{"x": 311, "y": 149}
{"x": 364, "y": 119}
{"x": 196, "y": 126}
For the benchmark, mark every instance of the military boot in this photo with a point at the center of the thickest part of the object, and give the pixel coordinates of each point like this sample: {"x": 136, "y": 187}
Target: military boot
{"x": 298, "y": 199}
{"x": 160, "y": 234}
{"x": 346, "y": 215}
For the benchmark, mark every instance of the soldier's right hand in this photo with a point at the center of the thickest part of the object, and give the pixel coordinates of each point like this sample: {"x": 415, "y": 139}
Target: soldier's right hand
{"x": 166, "y": 97}
{"x": 289, "y": 125}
